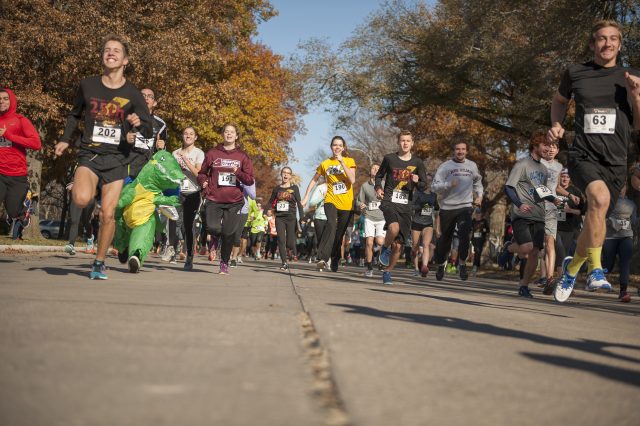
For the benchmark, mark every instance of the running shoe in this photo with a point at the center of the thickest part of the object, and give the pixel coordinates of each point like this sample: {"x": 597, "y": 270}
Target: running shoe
{"x": 385, "y": 256}
{"x": 541, "y": 282}
{"x": 239, "y": 260}
{"x": 321, "y": 265}
{"x": 524, "y": 292}
{"x": 224, "y": 268}
{"x": 284, "y": 267}
{"x": 386, "y": 278}
{"x": 123, "y": 256}
{"x": 440, "y": 273}
{"x": 368, "y": 273}
{"x": 212, "y": 255}
{"x": 596, "y": 280}
{"x": 333, "y": 265}
{"x": 188, "y": 264}
{"x": 173, "y": 260}
{"x": 565, "y": 285}
{"x": 169, "y": 252}
{"x": 233, "y": 263}
{"x": 98, "y": 272}
{"x": 451, "y": 269}
{"x": 134, "y": 264}
{"x": 463, "y": 272}
{"x": 416, "y": 273}
{"x": 624, "y": 297}
{"x": 90, "y": 246}
{"x": 424, "y": 270}
{"x": 69, "y": 249}
{"x": 549, "y": 286}
{"x": 203, "y": 250}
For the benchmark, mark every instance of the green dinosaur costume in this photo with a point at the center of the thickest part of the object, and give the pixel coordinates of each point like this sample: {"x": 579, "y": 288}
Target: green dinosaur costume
{"x": 136, "y": 217}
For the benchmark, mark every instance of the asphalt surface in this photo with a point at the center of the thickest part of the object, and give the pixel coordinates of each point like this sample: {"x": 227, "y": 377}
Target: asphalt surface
{"x": 261, "y": 346}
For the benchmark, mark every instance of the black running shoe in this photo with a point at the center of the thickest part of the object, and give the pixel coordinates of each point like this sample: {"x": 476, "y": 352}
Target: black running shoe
{"x": 284, "y": 267}
{"x": 440, "y": 273}
{"x": 463, "y": 272}
{"x": 549, "y": 287}
{"x": 524, "y": 292}
{"x": 123, "y": 256}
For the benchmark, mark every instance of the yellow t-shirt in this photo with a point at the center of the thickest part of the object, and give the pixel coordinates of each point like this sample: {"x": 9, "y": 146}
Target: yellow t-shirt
{"x": 339, "y": 188}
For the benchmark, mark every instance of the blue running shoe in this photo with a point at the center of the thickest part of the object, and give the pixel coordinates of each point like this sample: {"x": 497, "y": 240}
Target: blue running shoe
{"x": 385, "y": 256}
{"x": 565, "y": 284}
{"x": 98, "y": 272}
{"x": 596, "y": 281}
{"x": 386, "y": 278}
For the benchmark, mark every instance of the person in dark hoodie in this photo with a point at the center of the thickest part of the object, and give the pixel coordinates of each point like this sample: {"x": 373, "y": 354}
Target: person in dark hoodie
{"x": 112, "y": 108}
{"x": 225, "y": 167}
{"x": 17, "y": 134}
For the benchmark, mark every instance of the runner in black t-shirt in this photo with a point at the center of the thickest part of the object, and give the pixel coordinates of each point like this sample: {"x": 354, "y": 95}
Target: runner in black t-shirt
{"x": 144, "y": 148}
{"x": 479, "y": 231}
{"x": 285, "y": 200}
{"x": 607, "y": 98}
{"x": 569, "y": 218}
{"x": 400, "y": 171}
{"x": 112, "y": 107}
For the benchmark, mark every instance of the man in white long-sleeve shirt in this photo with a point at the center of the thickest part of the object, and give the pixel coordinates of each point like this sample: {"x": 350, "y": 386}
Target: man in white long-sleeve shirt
{"x": 459, "y": 187}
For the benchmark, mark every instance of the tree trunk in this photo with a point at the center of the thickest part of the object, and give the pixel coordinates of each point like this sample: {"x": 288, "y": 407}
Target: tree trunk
{"x": 34, "y": 164}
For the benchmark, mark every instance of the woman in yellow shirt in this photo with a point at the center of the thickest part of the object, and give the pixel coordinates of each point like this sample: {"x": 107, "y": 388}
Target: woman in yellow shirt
{"x": 339, "y": 172}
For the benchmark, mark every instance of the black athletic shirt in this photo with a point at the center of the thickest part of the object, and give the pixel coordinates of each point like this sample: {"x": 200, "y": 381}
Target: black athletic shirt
{"x": 597, "y": 89}
{"x": 284, "y": 201}
{"x": 396, "y": 174}
{"x": 424, "y": 204}
{"x": 572, "y": 222}
{"x": 105, "y": 111}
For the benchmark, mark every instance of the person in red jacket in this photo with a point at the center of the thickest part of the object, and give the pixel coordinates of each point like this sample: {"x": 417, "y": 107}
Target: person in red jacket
{"x": 223, "y": 169}
{"x": 17, "y": 134}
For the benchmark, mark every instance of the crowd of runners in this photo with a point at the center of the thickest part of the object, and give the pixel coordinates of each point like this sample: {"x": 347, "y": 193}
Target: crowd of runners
{"x": 569, "y": 210}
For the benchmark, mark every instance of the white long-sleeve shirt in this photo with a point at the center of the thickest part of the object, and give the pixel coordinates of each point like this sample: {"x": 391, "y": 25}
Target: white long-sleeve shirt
{"x": 469, "y": 184}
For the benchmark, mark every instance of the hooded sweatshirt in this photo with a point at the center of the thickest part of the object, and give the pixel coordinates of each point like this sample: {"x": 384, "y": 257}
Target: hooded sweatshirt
{"x": 224, "y": 184}
{"x": 19, "y": 136}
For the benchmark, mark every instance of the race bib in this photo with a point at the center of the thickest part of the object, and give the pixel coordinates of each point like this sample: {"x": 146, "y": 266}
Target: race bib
{"x": 477, "y": 235}
{"x": 544, "y": 193}
{"x": 185, "y": 185}
{"x": 260, "y": 228}
{"x": 282, "y": 206}
{"x": 426, "y": 211}
{"x": 624, "y": 224}
{"x": 600, "y": 120}
{"x": 226, "y": 179}
{"x": 339, "y": 188}
{"x": 4, "y": 142}
{"x": 400, "y": 197}
{"x": 143, "y": 143}
{"x": 373, "y": 205}
{"x": 103, "y": 133}
{"x": 562, "y": 216}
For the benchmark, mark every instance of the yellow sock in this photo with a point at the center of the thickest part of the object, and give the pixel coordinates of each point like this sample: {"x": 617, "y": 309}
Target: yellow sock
{"x": 594, "y": 256}
{"x": 576, "y": 263}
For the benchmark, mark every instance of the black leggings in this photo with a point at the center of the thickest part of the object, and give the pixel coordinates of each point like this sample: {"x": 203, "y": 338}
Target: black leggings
{"x": 565, "y": 241}
{"x": 337, "y": 223}
{"x": 286, "y": 229}
{"x": 222, "y": 222}
{"x": 623, "y": 248}
{"x": 478, "y": 244}
{"x": 78, "y": 215}
{"x": 189, "y": 204}
{"x": 13, "y": 190}
{"x": 448, "y": 221}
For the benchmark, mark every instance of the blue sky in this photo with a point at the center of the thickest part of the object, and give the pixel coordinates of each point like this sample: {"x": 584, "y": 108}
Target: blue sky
{"x": 300, "y": 20}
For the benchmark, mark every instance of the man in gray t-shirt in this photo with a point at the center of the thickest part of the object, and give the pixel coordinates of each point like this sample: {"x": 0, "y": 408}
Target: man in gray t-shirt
{"x": 526, "y": 188}
{"x": 369, "y": 204}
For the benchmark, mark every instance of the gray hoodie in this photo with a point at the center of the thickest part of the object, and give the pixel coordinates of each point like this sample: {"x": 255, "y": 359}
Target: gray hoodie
{"x": 469, "y": 184}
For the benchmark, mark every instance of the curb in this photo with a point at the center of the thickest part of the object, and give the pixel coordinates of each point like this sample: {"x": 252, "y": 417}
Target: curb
{"x": 8, "y": 248}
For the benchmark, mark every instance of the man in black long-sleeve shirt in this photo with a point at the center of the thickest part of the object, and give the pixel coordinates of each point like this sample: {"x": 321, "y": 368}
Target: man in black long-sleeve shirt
{"x": 112, "y": 107}
{"x": 400, "y": 172}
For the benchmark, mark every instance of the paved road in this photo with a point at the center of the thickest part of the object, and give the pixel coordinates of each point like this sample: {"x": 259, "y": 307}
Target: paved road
{"x": 166, "y": 347}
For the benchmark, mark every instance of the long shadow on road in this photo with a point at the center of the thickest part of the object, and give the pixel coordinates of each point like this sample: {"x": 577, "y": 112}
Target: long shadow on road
{"x": 471, "y": 302}
{"x": 589, "y": 346}
{"x": 623, "y": 375}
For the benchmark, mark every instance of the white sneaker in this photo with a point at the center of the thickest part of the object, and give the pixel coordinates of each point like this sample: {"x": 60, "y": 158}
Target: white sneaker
{"x": 169, "y": 253}
{"x": 596, "y": 281}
